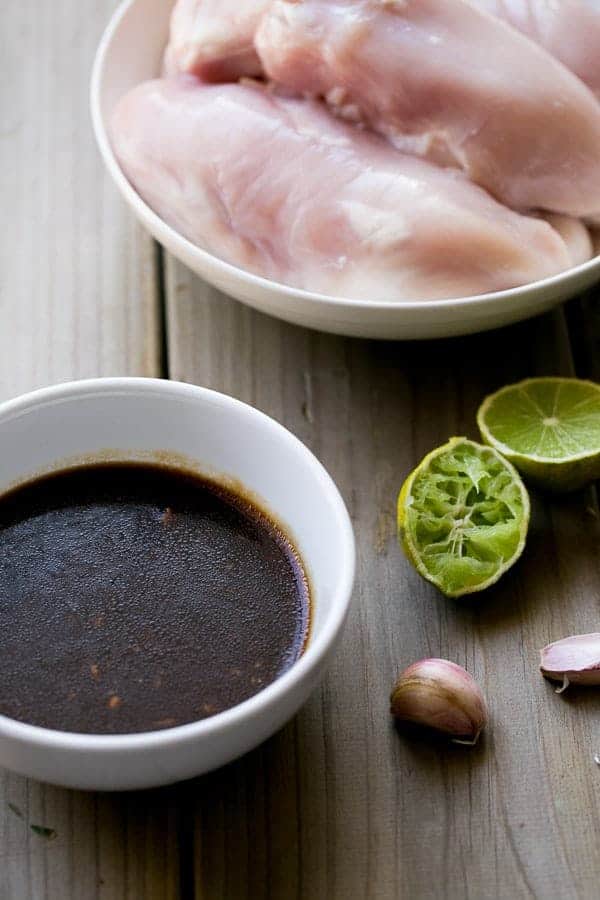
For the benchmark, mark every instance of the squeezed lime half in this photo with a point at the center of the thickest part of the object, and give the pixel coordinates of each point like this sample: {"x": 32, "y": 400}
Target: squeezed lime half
{"x": 463, "y": 516}
{"x": 548, "y": 427}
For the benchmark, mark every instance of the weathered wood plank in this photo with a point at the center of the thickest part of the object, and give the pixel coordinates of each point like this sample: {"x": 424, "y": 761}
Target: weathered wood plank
{"x": 78, "y": 294}
{"x": 78, "y": 297}
{"x": 338, "y": 805}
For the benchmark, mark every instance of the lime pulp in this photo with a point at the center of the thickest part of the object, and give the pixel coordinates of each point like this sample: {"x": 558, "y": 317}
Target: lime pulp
{"x": 549, "y": 428}
{"x": 463, "y": 516}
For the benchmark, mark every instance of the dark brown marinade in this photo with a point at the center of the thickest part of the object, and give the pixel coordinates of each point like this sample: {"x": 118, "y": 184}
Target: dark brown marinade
{"x": 135, "y": 597}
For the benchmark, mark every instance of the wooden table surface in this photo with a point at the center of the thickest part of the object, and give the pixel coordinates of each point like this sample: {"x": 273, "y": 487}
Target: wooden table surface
{"x": 337, "y": 806}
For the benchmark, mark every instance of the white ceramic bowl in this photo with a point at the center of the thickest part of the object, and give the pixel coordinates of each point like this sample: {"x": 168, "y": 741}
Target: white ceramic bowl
{"x": 130, "y": 52}
{"x": 136, "y": 418}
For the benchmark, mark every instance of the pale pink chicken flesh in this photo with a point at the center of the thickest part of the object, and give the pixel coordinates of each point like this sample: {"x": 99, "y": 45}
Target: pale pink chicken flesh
{"x": 283, "y": 189}
{"x": 214, "y": 39}
{"x": 568, "y": 29}
{"x": 449, "y": 82}
{"x": 575, "y": 235}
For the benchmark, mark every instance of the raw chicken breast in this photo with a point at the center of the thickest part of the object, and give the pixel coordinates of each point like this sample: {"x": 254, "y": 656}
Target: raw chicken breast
{"x": 449, "y": 82}
{"x": 568, "y": 29}
{"x": 281, "y": 188}
{"x": 575, "y": 235}
{"x": 214, "y": 39}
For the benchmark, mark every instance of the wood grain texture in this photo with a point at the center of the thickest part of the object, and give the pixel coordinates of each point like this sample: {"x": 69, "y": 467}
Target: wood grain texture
{"x": 78, "y": 292}
{"x": 338, "y": 805}
{"x": 78, "y": 297}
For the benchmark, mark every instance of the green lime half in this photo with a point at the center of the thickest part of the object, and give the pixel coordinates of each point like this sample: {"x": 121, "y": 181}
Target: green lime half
{"x": 463, "y": 516}
{"x": 548, "y": 427}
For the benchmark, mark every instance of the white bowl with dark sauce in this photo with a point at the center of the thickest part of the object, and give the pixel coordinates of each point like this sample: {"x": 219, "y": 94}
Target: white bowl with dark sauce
{"x": 176, "y": 569}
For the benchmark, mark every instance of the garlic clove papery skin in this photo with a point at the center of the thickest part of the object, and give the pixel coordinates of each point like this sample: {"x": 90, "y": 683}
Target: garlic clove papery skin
{"x": 573, "y": 660}
{"x": 439, "y": 694}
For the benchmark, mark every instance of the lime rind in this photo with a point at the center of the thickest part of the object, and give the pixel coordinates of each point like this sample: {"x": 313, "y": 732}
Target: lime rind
{"x": 463, "y": 516}
{"x": 549, "y": 428}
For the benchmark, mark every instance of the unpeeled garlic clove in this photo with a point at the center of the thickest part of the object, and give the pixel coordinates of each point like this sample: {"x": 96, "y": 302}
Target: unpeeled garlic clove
{"x": 573, "y": 660}
{"x": 440, "y": 694}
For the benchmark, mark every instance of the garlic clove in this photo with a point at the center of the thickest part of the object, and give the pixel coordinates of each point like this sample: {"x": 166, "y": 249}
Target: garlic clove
{"x": 439, "y": 694}
{"x": 572, "y": 660}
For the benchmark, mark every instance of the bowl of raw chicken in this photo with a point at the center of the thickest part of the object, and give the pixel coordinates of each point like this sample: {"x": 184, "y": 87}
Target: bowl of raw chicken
{"x": 377, "y": 168}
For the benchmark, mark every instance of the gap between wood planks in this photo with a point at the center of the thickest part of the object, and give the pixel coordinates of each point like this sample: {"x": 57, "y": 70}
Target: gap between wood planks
{"x": 163, "y": 336}
{"x": 185, "y": 825}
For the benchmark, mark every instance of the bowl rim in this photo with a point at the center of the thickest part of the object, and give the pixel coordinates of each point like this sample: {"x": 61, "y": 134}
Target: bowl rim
{"x": 318, "y": 646}
{"x": 167, "y": 233}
